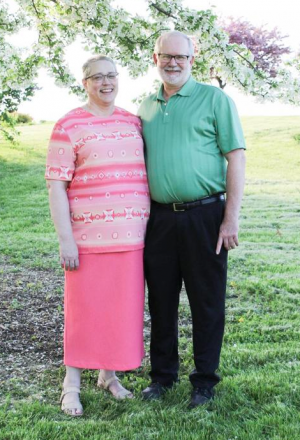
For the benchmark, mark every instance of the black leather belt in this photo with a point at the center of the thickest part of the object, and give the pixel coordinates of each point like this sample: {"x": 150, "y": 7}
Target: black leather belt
{"x": 184, "y": 206}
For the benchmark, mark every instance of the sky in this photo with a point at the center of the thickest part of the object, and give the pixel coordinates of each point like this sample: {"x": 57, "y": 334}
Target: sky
{"x": 51, "y": 102}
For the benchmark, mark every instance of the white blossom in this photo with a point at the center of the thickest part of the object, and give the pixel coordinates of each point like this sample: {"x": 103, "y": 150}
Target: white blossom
{"x": 130, "y": 40}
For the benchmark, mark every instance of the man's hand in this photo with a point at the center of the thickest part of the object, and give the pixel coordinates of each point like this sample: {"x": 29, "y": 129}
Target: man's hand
{"x": 69, "y": 254}
{"x": 228, "y": 235}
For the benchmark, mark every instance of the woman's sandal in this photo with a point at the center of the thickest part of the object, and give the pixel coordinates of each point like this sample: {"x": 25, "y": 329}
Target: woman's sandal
{"x": 106, "y": 385}
{"x": 71, "y": 408}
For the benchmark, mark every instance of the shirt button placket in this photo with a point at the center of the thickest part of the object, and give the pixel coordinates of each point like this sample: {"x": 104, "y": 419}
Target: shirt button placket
{"x": 166, "y": 114}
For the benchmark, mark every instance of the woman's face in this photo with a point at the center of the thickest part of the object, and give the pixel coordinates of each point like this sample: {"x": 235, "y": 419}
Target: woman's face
{"x": 102, "y": 91}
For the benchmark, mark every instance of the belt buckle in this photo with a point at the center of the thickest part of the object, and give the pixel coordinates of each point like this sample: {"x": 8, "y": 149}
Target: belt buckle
{"x": 178, "y": 210}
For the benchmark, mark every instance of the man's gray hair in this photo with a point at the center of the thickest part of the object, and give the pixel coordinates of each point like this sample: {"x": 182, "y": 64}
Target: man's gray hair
{"x": 87, "y": 67}
{"x": 175, "y": 34}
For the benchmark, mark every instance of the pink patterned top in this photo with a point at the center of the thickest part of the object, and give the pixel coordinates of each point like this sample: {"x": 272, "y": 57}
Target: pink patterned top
{"x": 103, "y": 159}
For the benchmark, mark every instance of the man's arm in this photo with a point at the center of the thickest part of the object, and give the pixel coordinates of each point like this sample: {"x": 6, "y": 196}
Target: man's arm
{"x": 228, "y": 235}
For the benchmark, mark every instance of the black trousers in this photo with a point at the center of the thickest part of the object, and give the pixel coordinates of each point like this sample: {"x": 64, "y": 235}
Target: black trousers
{"x": 182, "y": 246}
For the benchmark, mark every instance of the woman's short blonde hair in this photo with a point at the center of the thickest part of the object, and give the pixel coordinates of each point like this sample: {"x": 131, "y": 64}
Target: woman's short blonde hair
{"x": 86, "y": 68}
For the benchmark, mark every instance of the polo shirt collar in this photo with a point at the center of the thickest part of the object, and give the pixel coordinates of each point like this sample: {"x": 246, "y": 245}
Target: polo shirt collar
{"x": 186, "y": 89}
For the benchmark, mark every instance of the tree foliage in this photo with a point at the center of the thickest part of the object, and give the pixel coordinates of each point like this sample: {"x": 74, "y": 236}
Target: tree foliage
{"x": 102, "y": 27}
{"x": 266, "y": 46}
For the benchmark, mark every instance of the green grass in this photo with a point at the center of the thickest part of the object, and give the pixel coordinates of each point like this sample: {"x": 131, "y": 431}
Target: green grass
{"x": 259, "y": 396}
{"x": 26, "y": 235}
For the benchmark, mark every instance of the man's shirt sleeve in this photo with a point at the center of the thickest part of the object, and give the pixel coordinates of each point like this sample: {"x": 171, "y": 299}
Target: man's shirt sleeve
{"x": 228, "y": 126}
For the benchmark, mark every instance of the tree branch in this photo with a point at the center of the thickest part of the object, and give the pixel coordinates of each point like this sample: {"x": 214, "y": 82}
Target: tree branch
{"x": 163, "y": 11}
{"x": 35, "y": 8}
{"x": 142, "y": 42}
{"x": 245, "y": 59}
{"x": 221, "y": 83}
{"x": 38, "y": 16}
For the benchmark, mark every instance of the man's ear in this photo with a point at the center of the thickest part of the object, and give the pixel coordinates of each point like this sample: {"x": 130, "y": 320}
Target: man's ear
{"x": 155, "y": 58}
{"x": 192, "y": 60}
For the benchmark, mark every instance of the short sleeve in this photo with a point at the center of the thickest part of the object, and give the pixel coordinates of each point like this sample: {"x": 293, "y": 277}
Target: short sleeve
{"x": 140, "y": 112}
{"x": 229, "y": 130}
{"x": 60, "y": 163}
{"x": 138, "y": 124}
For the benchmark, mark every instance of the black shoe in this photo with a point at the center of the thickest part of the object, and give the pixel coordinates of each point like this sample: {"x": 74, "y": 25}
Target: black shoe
{"x": 154, "y": 391}
{"x": 201, "y": 396}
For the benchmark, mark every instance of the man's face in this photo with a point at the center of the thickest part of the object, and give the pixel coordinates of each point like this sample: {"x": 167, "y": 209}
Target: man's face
{"x": 174, "y": 73}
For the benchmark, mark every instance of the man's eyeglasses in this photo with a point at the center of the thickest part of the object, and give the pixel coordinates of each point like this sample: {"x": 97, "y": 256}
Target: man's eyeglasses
{"x": 166, "y": 58}
{"x": 99, "y": 77}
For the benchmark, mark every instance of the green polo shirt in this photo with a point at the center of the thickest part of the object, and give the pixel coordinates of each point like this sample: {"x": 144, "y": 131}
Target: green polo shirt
{"x": 186, "y": 138}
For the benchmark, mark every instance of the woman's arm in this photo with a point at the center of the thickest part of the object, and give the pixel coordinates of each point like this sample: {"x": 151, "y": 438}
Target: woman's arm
{"x": 60, "y": 213}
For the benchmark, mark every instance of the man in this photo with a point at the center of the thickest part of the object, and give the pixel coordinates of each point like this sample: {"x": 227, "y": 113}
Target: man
{"x": 191, "y": 130}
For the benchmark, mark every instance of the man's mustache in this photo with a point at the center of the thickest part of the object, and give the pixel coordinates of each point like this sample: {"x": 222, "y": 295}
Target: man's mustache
{"x": 172, "y": 69}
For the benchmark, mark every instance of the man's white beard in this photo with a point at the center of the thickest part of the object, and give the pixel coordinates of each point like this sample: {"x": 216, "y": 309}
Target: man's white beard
{"x": 180, "y": 78}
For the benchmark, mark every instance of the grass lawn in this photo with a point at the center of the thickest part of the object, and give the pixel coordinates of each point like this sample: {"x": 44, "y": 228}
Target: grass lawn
{"x": 259, "y": 396}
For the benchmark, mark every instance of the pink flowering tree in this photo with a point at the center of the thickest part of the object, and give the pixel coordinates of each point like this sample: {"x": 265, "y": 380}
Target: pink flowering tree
{"x": 266, "y": 46}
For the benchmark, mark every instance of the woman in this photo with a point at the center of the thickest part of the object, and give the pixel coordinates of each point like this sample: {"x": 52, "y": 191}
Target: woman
{"x": 99, "y": 204}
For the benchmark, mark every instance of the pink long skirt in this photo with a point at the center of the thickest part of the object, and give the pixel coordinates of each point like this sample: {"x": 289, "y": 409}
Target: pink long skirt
{"x": 104, "y": 305}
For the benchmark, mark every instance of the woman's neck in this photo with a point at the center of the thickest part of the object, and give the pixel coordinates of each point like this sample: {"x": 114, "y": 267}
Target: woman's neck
{"x": 98, "y": 109}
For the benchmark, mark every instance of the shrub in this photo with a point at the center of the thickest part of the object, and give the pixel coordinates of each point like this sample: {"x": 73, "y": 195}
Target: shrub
{"x": 22, "y": 118}
{"x": 297, "y": 138}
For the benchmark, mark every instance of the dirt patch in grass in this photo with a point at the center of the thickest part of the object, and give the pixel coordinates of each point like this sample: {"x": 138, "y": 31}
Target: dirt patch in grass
{"x": 31, "y": 322}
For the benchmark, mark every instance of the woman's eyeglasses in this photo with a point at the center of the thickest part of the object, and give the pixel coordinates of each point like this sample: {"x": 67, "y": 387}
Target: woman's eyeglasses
{"x": 99, "y": 77}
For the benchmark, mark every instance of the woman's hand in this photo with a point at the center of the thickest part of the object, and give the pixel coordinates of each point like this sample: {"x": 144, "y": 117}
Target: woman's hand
{"x": 69, "y": 258}
{"x": 60, "y": 212}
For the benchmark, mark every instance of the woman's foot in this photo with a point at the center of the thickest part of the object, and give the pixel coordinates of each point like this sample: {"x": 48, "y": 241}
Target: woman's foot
{"x": 113, "y": 385}
{"x": 70, "y": 402}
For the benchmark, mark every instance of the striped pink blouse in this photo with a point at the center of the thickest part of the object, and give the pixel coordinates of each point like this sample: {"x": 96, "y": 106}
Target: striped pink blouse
{"x": 103, "y": 158}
